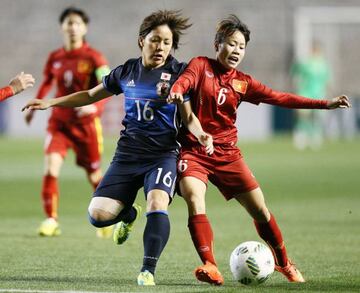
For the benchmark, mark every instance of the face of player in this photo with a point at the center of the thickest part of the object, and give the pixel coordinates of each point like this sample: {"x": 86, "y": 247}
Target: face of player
{"x": 74, "y": 29}
{"x": 156, "y": 46}
{"x": 231, "y": 52}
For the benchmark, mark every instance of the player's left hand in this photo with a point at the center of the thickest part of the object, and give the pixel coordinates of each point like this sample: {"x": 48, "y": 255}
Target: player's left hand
{"x": 176, "y": 98}
{"x": 85, "y": 110}
{"x": 339, "y": 102}
{"x": 207, "y": 141}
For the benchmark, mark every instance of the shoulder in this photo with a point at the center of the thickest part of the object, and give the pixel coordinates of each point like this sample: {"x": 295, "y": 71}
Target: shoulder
{"x": 128, "y": 66}
{"x": 174, "y": 66}
{"x": 94, "y": 52}
{"x": 96, "y": 56}
{"x": 133, "y": 62}
{"x": 58, "y": 53}
{"x": 201, "y": 61}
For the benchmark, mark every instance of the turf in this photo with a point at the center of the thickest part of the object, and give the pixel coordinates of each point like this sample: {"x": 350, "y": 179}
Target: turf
{"x": 314, "y": 195}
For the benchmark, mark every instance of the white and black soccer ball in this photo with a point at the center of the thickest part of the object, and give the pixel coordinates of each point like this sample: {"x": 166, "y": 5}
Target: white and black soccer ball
{"x": 251, "y": 263}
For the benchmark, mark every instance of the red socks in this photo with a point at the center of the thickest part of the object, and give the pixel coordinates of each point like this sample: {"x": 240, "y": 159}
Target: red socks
{"x": 50, "y": 196}
{"x": 271, "y": 234}
{"x": 202, "y": 237}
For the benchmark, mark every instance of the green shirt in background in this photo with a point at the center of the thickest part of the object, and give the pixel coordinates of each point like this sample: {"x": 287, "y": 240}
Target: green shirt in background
{"x": 312, "y": 77}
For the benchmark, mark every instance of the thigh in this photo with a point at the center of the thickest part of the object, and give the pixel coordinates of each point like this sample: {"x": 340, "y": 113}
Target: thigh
{"x": 88, "y": 144}
{"x": 120, "y": 182}
{"x": 161, "y": 176}
{"x": 233, "y": 178}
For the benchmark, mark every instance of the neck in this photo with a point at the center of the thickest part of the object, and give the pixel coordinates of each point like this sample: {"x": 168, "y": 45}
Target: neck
{"x": 224, "y": 68}
{"x": 72, "y": 45}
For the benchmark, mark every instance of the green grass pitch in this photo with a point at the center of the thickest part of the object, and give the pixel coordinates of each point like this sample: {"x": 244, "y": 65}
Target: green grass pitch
{"x": 314, "y": 195}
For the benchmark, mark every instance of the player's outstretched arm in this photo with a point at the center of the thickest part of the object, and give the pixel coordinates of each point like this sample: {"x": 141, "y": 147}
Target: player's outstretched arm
{"x": 77, "y": 99}
{"x": 193, "y": 124}
{"x": 339, "y": 102}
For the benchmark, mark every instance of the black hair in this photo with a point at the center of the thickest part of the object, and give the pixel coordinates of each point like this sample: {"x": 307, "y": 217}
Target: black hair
{"x": 74, "y": 10}
{"x": 228, "y": 26}
{"x": 172, "y": 18}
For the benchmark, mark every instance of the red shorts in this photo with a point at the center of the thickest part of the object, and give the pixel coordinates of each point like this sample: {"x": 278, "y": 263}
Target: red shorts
{"x": 225, "y": 168}
{"x": 84, "y": 138}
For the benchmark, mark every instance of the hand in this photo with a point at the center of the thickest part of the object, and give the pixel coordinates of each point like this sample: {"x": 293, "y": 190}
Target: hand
{"x": 339, "y": 102}
{"x": 176, "y": 98}
{"x": 37, "y": 104}
{"x": 207, "y": 141}
{"x": 85, "y": 110}
{"x": 21, "y": 81}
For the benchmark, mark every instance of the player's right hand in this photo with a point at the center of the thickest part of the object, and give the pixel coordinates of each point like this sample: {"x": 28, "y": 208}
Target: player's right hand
{"x": 176, "y": 98}
{"x": 207, "y": 141}
{"x": 37, "y": 104}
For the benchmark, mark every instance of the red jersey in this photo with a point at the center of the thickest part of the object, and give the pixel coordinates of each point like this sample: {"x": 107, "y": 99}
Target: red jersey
{"x": 72, "y": 71}
{"x": 216, "y": 93}
{"x": 6, "y": 92}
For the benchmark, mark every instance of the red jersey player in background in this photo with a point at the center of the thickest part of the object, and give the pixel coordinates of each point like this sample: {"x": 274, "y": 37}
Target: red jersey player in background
{"x": 217, "y": 90}
{"x": 16, "y": 85}
{"x": 74, "y": 67}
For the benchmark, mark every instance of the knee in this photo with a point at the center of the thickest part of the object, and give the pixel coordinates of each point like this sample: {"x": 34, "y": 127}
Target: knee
{"x": 97, "y": 215}
{"x": 157, "y": 202}
{"x": 195, "y": 204}
{"x": 262, "y": 215}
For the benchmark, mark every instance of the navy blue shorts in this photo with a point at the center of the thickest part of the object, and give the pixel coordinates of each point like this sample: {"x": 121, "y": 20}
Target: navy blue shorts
{"x": 123, "y": 179}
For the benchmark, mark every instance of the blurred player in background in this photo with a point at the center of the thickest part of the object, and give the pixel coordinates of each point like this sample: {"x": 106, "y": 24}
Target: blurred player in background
{"x": 74, "y": 67}
{"x": 217, "y": 89}
{"x": 311, "y": 77}
{"x": 16, "y": 85}
{"x": 147, "y": 151}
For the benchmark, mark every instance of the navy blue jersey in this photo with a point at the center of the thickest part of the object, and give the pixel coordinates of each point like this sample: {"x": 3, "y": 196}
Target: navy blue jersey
{"x": 151, "y": 124}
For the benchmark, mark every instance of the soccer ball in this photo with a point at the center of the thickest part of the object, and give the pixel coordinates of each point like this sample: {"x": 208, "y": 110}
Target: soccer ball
{"x": 251, "y": 263}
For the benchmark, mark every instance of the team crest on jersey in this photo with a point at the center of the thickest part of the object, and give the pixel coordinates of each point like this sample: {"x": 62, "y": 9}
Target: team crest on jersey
{"x": 163, "y": 88}
{"x": 84, "y": 66}
{"x": 239, "y": 85}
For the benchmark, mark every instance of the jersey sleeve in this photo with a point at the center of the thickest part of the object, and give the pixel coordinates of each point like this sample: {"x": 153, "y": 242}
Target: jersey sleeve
{"x": 47, "y": 81}
{"x": 111, "y": 81}
{"x": 189, "y": 79}
{"x": 6, "y": 92}
{"x": 259, "y": 93}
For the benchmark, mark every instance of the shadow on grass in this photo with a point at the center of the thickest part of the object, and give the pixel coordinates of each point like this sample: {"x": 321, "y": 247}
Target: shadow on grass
{"x": 176, "y": 285}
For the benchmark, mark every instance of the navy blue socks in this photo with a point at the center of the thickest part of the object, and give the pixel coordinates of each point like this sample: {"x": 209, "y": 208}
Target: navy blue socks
{"x": 156, "y": 235}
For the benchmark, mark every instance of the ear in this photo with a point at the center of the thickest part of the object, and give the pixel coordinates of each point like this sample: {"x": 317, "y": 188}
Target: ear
{"x": 141, "y": 42}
